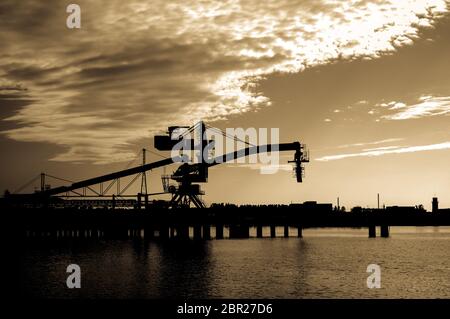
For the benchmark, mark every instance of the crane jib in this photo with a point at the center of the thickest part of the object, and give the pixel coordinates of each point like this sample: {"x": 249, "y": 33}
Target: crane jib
{"x": 294, "y": 146}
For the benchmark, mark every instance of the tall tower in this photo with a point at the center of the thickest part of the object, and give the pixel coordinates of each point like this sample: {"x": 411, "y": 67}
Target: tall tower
{"x": 435, "y": 205}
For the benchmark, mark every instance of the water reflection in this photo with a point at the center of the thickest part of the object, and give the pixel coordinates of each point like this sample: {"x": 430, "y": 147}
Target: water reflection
{"x": 321, "y": 265}
{"x": 184, "y": 269}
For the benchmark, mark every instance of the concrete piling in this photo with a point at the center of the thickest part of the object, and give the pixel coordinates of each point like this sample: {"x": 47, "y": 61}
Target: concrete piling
{"x": 219, "y": 231}
{"x": 286, "y": 231}
{"x": 164, "y": 232}
{"x": 273, "y": 231}
{"x": 183, "y": 232}
{"x": 206, "y": 231}
{"x": 300, "y": 231}
{"x": 259, "y": 231}
{"x": 197, "y": 232}
{"x": 384, "y": 231}
{"x": 372, "y": 231}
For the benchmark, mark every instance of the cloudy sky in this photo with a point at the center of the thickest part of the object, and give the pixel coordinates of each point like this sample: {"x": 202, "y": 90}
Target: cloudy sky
{"x": 365, "y": 84}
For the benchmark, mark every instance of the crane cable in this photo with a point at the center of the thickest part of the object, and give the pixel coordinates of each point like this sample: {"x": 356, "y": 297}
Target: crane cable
{"x": 235, "y": 138}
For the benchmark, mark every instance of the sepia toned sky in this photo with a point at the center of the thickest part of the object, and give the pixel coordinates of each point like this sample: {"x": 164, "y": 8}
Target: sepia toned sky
{"x": 365, "y": 84}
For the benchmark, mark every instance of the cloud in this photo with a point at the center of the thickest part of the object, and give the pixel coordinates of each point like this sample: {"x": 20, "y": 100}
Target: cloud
{"x": 382, "y": 148}
{"x": 385, "y": 151}
{"x": 393, "y": 105}
{"x": 427, "y": 106}
{"x": 384, "y": 141}
{"x": 135, "y": 68}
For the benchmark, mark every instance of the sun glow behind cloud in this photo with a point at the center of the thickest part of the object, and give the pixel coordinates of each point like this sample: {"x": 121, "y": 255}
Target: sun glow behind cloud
{"x": 135, "y": 68}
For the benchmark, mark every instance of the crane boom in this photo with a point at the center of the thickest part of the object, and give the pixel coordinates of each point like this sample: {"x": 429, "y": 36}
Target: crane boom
{"x": 295, "y": 146}
{"x": 108, "y": 177}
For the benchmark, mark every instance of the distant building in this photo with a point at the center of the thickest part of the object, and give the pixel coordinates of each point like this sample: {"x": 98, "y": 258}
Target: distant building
{"x": 314, "y": 206}
{"x": 357, "y": 210}
{"x": 436, "y": 209}
{"x": 435, "y": 205}
{"x": 404, "y": 209}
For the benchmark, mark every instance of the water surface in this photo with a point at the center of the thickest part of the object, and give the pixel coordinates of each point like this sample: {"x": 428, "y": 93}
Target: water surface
{"x": 326, "y": 263}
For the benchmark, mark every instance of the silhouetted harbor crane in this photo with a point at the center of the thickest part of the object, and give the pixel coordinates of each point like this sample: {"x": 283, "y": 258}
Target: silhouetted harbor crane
{"x": 188, "y": 176}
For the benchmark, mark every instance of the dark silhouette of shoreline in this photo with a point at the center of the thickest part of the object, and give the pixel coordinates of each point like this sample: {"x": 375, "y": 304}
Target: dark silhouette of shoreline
{"x": 162, "y": 223}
